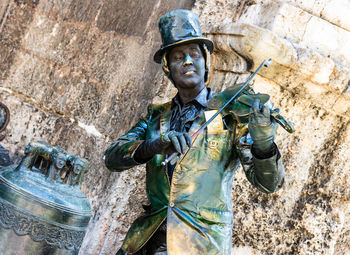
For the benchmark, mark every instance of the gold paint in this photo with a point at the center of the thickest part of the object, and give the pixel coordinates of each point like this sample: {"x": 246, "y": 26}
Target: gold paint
{"x": 213, "y": 149}
{"x": 216, "y": 125}
{"x": 213, "y": 144}
{"x": 190, "y": 188}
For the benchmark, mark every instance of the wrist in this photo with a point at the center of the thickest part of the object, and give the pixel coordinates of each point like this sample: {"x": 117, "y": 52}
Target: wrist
{"x": 263, "y": 137}
{"x": 266, "y": 151}
{"x": 262, "y": 146}
{"x": 147, "y": 150}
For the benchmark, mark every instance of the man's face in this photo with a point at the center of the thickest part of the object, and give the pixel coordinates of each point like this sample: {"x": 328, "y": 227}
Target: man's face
{"x": 187, "y": 66}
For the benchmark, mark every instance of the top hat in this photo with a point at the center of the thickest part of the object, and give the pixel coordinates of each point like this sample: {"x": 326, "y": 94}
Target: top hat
{"x": 180, "y": 27}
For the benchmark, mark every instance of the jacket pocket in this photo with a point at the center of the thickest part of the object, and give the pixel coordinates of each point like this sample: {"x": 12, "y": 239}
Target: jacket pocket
{"x": 212, "y": 216}
{"x": 219, "y": 144}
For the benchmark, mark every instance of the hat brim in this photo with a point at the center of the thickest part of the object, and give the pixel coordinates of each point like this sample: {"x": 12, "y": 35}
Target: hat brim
{"x": 159, "y": 54}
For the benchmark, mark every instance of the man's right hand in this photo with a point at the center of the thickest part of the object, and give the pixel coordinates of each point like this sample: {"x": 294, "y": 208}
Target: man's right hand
{"x": 165, "y": 144}
{"x": 173, "y": 141}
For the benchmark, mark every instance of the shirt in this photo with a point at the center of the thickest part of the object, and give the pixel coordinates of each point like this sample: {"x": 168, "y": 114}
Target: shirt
{"x": 182, "y": 116}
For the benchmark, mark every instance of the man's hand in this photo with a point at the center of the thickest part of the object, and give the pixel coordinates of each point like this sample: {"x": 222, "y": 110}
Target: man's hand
{"x": 173, "y": 141}
{"x": 165, "y": 144}
{"x": 261, "y": 128}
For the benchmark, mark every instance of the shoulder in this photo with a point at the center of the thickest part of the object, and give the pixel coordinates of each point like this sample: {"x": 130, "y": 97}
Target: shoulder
{"x": 157, "y": 109}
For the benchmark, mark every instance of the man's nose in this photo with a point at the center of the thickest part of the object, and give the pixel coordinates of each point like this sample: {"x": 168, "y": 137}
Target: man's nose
{"x": 188, "y": 60}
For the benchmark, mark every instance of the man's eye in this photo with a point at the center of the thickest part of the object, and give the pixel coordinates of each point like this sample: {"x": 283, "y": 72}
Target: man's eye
{"x": 195, "y": 54}
{"x": 178, "y": 57}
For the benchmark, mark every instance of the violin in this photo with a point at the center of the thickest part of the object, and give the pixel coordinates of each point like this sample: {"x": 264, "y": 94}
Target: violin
{"x": 240, "y": 107}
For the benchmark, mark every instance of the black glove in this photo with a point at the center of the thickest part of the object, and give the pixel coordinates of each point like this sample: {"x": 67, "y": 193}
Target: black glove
{"x": 165, "y": 144}
{"x": 262, "y": 130}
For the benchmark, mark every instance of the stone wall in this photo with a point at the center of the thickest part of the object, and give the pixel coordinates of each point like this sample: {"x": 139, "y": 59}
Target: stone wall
{"x": 78, "y": 74}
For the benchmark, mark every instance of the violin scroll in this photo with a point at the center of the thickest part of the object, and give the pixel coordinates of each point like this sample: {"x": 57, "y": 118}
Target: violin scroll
{"x": 287, "y": 125}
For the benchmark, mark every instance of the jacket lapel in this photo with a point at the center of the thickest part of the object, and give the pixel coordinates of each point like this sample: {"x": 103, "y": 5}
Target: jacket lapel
{"x": 197, "y": 123}
{"x": 164, "y": 126}
{"x": 165, "y": 120}
{"x": 200, "y": 118}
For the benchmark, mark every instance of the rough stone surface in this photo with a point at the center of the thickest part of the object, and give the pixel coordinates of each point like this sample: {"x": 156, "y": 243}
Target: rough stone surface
{"x": 333, "y": 11}
{"x": 78, "y": 74}
{"x": 301, "y": 27}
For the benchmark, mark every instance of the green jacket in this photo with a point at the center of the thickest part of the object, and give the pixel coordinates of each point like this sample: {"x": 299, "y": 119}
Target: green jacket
{"x": 198, "y": 203}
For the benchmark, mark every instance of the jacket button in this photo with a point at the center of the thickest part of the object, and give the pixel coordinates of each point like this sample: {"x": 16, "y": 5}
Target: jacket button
{"x": 172, "y": 204}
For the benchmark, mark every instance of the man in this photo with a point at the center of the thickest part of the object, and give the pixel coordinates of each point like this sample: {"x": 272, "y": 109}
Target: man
{"x": 190, "y": 209}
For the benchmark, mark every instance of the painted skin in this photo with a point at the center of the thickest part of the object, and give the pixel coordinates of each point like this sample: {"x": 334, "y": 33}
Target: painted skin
{"x": 187, "y": 68}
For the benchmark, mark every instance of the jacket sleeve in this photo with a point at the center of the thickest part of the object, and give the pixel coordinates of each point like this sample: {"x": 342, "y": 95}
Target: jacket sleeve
{"x": 120, "y": 154}
{"x": 266, "y": 174}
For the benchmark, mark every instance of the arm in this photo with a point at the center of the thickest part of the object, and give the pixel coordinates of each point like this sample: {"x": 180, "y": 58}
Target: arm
{"x": 260, "y": 157}
{"x": 120, "y": 154}
{"x": 133, "y": 149}
{"x": 266, "y": 174}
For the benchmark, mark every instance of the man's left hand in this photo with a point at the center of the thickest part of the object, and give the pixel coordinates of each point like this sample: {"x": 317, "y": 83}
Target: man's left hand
{"x": 261, "y": 128}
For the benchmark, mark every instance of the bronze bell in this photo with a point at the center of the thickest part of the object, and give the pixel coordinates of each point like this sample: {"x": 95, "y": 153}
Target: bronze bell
{"x": 42, "y": 209}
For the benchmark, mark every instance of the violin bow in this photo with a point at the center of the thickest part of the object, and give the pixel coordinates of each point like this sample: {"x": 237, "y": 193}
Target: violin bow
{"x": 265, "y": 63}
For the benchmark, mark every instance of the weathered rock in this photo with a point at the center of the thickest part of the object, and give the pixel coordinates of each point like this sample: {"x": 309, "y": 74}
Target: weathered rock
{"x": 333, "y": 11}
{"x": 301, "y": 27}
{"x": 14, "y": 20}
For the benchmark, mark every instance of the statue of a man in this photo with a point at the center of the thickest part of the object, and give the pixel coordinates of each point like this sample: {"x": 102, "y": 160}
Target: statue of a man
{"x": 58, "y": 163}
{"x": 190, "y": 209}
{"x": 79, "y": 167}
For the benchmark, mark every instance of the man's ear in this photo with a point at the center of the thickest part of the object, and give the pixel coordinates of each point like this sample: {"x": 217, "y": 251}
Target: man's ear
{"x": 166, "y": 68}
{"x": 206, "y": 55}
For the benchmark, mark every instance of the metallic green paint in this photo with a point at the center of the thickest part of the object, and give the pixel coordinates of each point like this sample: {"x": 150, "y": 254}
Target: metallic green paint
{"x": 198, "y": 203}
{"x": 180, "y": 27}
{"x": 240, "y": 107}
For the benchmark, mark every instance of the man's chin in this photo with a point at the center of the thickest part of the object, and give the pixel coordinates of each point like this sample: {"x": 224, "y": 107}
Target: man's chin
{"x": 189, "y": 84}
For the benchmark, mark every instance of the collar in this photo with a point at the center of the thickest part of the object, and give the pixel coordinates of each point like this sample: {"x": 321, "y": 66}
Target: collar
{"x": 202, "y": 98}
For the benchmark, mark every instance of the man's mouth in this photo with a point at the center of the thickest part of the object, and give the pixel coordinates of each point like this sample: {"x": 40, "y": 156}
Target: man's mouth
{"x": 189, "y": 72}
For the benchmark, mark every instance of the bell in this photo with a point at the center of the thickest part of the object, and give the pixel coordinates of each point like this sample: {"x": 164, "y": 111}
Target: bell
{"x": 42, "y": 209}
